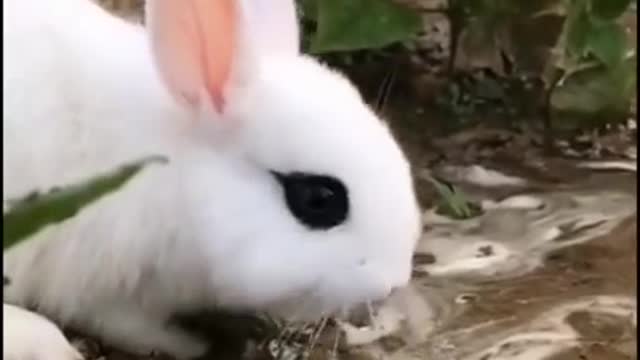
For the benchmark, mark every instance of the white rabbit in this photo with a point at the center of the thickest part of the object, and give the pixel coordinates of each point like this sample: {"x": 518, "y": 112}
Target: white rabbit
{"x": 284, "y": 192}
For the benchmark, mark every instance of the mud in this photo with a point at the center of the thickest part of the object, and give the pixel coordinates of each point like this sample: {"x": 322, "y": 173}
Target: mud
{"x": 547, "y": 272}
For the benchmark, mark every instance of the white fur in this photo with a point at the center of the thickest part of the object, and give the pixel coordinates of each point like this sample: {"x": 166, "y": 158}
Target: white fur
{"x": 211, "y": 228}
{"x": 27, "y": 335}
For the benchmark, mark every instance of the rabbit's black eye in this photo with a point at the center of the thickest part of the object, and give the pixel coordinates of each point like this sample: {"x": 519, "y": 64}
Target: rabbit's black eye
{"x": 319, "y": 202}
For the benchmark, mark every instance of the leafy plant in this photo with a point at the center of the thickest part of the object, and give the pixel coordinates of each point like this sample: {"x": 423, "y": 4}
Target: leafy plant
{"x": 578, "y": 48}
{"x": 30, "y": 214}
{"x": 454, "y": 203}
{"x": 592, "y": 69}
{"x": 339, "y": 26}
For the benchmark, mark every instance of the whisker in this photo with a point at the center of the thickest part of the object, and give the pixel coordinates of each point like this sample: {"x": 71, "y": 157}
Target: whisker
{"x": 385, "y": 90}
{"x": 336, "y": 341}
{"x": 371, "y": 312}
{"x": 316, "y": 334}
{"x": 288, "y": 330}
{"x": 293, "y": 327}
{"x": 279, "y": 341}
{"x": 283, "y": 331}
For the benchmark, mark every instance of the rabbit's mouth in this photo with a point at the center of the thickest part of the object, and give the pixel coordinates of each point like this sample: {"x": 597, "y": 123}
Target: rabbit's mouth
{"x": 231, "y": 328}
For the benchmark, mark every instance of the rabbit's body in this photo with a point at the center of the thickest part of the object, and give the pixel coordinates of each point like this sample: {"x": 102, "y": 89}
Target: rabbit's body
{"x": 65, "y": 131}
{"x": 211, "y": 228}
{"x": 91, "y": 85}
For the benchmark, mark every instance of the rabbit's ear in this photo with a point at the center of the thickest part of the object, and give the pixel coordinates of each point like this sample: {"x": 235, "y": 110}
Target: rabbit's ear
{"x": 194, "y": 43}
{"x": 200, "y": 46}
{"x": 273, "y": 26}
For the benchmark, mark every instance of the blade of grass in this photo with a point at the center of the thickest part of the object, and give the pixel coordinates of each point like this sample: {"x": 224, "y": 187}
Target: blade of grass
{"x": 35, "y": 211}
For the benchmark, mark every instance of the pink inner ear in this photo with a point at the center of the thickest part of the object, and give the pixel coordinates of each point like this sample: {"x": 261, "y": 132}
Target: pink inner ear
{"x": 217, "y": 36}
{"x": 194, "y": 44}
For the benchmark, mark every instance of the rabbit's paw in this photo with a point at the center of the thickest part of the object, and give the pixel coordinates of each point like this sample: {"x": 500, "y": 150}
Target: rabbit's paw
{"x": 29, "y": 336}
{"x": 137, "y": 333}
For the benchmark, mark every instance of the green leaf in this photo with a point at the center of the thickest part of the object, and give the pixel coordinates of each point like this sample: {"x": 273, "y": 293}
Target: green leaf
{"x": 362, "y": 24}
{"x": 32, "y": 213}
{"x": 608, "y": 9}
{"x": 454, "y": 203}
{"x": 579, "y": 26}
{"x": 597, "y": 90}
{"x": 608, "y": 43}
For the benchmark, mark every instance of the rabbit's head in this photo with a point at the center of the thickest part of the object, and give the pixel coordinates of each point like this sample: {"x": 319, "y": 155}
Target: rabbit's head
{"x": 302, "y": 195}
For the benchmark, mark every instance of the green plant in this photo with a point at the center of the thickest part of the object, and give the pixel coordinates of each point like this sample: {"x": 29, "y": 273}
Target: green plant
{"x": 567, "y": 57}
{"x": 578, "y": 48}
{"x": 592, "y": 68}
{"x": 30, "y": 214}
{"x": 343, "y": 26}
{"x": 453, "y": 202}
